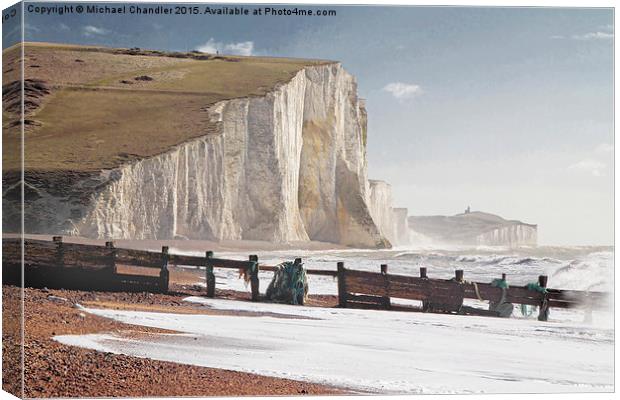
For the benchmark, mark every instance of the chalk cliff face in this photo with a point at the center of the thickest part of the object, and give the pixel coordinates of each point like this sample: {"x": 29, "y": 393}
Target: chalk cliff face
{"x": 512, "y": 235}
{"x": 380, "y": 202}
{"x": 287, "y": 166}
{"x": 392, "y": 221}
{"x": 474, "y": 228}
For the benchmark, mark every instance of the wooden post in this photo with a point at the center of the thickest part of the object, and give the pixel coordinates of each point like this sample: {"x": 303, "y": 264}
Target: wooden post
{"x": 164, "y": 274}
{"x": 542, "y": 280}
{"x": 342, "y": 287}
{"x": 385, "y": 300}
{"x": 459, "y": 278}
{"x": 112, "y": 256}
{"x": 425, "y": 303}
{"x": 209, "y": 275}
{"x": 254, "y": 282}
{"x": 543, "y": 314}
{"x": 60, "y": 252}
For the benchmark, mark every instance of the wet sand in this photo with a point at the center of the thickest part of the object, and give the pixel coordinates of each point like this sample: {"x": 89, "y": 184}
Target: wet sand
{"x": 56, "y": 370}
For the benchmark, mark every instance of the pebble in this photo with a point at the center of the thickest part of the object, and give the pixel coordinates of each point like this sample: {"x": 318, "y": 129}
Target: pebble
{"x": 56, "y": 298}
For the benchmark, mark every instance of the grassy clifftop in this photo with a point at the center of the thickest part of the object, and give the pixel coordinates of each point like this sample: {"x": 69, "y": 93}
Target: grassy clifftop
{"x": 90, "y": 108}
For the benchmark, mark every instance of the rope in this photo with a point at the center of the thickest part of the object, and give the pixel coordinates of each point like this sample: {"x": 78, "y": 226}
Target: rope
{"x": 500, "y": 283}
{"x": 534, "y": 286}
{"x": 477, "y": 291}
{"x": 527, "y": 310}
{"x": 503, "y": 308}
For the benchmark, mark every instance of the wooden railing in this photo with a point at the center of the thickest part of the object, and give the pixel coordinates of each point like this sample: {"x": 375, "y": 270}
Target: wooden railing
{"x": 371, "y": 290}
{"x": 57, "y": 264}
{"x": 91, "y": 267}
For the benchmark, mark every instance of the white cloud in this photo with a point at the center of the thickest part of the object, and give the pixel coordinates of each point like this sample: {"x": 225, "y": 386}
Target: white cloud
{"x": 63, "y": 27}
{"x": 590, "y": 166}
{"x": 239, "y": 48}
{"x": 599, "y": 35}
{"x": 31, "y": 28}
{"x": 403, "y": 91}
{"x": 90, "y": 30}
{"x": 604, "y": 148}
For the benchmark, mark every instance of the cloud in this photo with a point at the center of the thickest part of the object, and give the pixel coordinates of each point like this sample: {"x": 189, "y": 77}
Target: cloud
{"x": 90, "y": 30}
{"x": 590, "y": 166}
{"x": 604, "y": 148}
{"x": 31, "y": 28}
{"x": 603, "y": 32}
{"x": 599, "y": 35}
{"x": 403, "y": 91}
{"x": 64, "y": 27}
{"x": 239, "y": 48}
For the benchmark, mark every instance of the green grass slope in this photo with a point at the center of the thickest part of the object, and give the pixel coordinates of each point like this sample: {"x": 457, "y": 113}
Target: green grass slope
{"x": 98, "y": 115}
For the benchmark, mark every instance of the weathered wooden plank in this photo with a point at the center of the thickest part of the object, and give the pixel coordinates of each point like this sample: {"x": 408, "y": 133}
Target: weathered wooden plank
{"x": 215, "y": 262}
{"x": 140, "y": 279}
{"x": 39, "y": 243}
{"x": 85, "y": 260}
{"x": 180, "y": 259}
{"x": 84, "y": 248}
{"x": 357, "y": 285}
{"x": 362, "y": 305}
{"x": 322, "y": 272}
{"x": 466, "y": 310}
{"x": 233, "y": 264}
{"x": 364, "y": 298}
{"x": 407, "y": 292}
{"x": 138, "y": 258}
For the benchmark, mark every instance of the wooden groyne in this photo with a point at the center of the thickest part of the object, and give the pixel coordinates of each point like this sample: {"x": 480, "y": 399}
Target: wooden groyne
{"x": 58, "y": 264}
{"x": 362, "y": 289}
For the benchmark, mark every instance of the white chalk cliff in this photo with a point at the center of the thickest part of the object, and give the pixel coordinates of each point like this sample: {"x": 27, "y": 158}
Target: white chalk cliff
{"x": 474, "y": 228}
{"x": 392, "y": 222}
{"x": 287, "y": 166}
{"x": 380, "y": 202}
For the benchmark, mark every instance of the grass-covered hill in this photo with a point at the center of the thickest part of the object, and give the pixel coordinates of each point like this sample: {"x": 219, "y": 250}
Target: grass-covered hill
{"x": 90, "y": 108}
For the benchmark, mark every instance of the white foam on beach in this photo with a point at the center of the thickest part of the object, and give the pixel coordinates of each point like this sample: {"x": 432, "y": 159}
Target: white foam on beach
{"x": 377, "y": 351}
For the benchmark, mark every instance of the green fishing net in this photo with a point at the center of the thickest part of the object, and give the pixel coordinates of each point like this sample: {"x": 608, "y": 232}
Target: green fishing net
{"x": 289, "y": 284}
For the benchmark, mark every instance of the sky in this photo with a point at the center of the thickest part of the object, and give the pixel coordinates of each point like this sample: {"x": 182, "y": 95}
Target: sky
{"x": 507, "y": 110}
